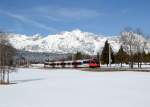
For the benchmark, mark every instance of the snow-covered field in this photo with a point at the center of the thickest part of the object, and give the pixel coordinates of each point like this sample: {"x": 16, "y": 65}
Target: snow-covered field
{"x": 75, "y": 88}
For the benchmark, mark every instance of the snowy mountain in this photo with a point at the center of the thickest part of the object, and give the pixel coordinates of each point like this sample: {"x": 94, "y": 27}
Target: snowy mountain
{"x": 64, "y": 42}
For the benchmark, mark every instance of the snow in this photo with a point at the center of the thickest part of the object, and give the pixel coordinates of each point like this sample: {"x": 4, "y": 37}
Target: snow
{"x": 68, "y": 42}
{"x": 64, "y": 42}
{"x": 143, "y": 66}
{"x": 75, "y": 88}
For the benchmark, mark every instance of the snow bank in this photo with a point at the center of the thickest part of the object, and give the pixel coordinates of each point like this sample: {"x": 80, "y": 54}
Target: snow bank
{"x": 75, "y": 88}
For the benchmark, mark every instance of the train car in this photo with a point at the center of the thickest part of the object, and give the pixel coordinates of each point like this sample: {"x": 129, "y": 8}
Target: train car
{"x": 87, "y": 63}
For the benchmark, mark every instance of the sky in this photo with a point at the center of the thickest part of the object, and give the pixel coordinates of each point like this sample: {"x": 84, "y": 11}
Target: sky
{"x": 107, "y": 17}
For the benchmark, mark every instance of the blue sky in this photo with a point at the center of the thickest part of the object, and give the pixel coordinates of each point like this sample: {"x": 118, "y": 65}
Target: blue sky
{"x": 106, "y": 17}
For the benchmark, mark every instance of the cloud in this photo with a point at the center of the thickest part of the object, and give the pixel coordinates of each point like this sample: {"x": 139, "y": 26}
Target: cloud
{"x": 77, "y": 13}
{"x": 56, "y": 13}
{"x": 27, "y": 20}
{"x": 41, "y": 16}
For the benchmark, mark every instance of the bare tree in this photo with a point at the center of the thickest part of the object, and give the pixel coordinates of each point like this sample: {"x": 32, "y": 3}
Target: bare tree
{"x": 128, "y": 41}
{"x": 133, "y": 41}
{"x": 7, "y": 53}
{"x": 140, "y": 45}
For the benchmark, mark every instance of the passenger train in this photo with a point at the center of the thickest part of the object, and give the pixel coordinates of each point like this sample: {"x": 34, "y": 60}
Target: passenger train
{"x": 87, "y": 63}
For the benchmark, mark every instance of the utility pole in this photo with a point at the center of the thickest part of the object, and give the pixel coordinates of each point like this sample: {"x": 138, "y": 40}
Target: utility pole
{"x": 99, "y": 59}
{"x": 72, "y": 57}
{"x": 110, "y": 60}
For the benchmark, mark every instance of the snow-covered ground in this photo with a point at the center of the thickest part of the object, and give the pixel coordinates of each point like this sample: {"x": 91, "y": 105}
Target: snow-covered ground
{"x": 144, "y": 66}
{"x": 75, "y": 88}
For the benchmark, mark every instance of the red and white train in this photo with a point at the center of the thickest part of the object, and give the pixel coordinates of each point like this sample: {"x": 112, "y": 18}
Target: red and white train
{"x": 87, "y": 63}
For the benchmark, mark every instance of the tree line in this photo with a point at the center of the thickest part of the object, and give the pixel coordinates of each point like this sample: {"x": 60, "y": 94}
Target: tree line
{"x": 132, "y": 50}
{"x": 122, "y": 57}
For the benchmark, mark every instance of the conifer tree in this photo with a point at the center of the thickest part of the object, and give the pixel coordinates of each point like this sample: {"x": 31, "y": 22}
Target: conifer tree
{"x": 78, "y": 56}
{"x": 121, "y": 56}
{"x": 147, "y": 58}
{"x": 105, "y": 54}
{"x": 98, "y": 58}
{"x": 143, "y": 56}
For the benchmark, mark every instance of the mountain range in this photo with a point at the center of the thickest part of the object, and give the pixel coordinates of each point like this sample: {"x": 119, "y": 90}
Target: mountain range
{"x": 64, "y": 42}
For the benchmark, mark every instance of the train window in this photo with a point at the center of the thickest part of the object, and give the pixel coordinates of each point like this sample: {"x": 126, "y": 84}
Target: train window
{"x": 68, "y": 63}
{"x": 74, "y": 63}
{"x": 87, "y": 62}
{"x": 78, "y": 63}
{"x": 84, "y": 62}
{"x": 63, "y": 64}
{"x": 52, "y": 64}
{"x": 45, "y": 63}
